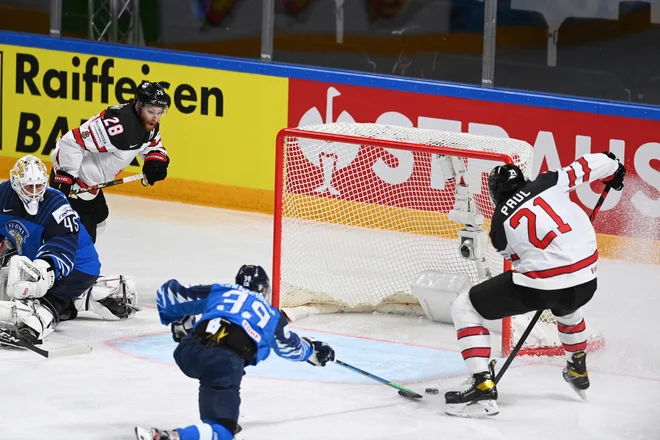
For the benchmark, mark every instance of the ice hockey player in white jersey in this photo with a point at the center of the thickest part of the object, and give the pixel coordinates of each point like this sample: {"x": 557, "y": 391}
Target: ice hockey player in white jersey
{"x": 551, "y": 244}
{"x": 101, "y": 148}
{"x": 238, "y": 328}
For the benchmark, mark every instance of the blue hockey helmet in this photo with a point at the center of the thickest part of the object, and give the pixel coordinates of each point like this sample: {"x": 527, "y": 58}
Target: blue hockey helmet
{"x": 254, "y": 278}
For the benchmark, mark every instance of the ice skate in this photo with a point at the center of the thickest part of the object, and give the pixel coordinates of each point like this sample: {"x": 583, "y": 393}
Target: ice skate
{"x": 155, "y": 434}
{"x": 576, "y": 375}
{"x": 479, "y": 400}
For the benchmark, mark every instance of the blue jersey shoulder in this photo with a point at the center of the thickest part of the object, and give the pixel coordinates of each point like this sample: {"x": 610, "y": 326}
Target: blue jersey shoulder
{"x": 232, "y": 302}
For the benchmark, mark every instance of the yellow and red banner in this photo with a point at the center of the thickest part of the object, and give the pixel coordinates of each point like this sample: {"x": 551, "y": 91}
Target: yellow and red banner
{"x": 218, "y": 131}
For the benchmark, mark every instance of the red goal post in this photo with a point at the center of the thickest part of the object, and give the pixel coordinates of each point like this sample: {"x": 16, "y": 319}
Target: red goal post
{"x": 362, "y": 209}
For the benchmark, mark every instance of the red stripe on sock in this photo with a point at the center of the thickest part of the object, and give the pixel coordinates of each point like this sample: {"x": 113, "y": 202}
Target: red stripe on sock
{"x": 580, "y": 346}
{"x": 570, "y": 329}
{"x": 476, "y": 352}
{"x": 472, "y": 331}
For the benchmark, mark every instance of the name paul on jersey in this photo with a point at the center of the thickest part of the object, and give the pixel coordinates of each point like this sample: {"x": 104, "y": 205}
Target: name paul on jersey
{"x": 514, "y": 201}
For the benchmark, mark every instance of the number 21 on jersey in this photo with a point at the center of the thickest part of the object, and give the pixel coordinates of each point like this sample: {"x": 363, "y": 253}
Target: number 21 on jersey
{"x": 534, "y": 239}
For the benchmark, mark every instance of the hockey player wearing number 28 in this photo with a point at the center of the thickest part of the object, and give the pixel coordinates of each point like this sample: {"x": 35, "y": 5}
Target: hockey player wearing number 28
{"x": 551, "y": 244}
{"x": 238, "y": 328}
{"x": 101, "y": 148}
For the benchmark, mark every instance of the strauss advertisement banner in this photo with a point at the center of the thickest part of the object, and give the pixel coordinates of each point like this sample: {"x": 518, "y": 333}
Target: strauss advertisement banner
{"x": 558, "y": 136}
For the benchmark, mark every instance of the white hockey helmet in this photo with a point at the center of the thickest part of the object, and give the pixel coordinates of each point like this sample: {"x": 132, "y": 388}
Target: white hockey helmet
{"x": 29, "y": 179}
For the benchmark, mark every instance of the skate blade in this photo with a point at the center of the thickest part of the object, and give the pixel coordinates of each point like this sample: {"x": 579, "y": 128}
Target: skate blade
{"x": 476, "y": 410}
{"x": 581, "y": 393}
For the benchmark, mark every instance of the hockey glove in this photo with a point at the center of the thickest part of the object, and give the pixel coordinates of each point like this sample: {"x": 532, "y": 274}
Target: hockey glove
{"x": 322, "y": 353}
{"x": 62, "y": 181}
{"x": 29, "y": 279}
{"x": 155, "y": 166}
{"x": 615, "y": 181}
{"x": 182, "y": 327}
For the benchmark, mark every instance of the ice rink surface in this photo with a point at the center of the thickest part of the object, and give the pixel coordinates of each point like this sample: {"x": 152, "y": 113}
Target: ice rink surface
{"x": 130, "y": 379}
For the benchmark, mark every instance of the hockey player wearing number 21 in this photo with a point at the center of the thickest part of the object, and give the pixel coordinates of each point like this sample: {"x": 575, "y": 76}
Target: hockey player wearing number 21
{"x": 238, "y": 328}
{"x": 101, "y": 148}
{"x": 551, "y": 244}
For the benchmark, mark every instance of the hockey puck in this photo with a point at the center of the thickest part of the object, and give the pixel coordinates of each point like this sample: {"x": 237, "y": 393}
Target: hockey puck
{"x": 431, "y": 391}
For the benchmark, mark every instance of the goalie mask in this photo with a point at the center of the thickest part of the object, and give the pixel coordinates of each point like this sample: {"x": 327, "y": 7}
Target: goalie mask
{"x": 504, "y": 181}
{"x": 254, "y": 278}
{"x": 29, "y": 178}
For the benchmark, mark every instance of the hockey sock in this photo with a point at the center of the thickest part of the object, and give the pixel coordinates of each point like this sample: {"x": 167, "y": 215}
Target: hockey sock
{"x": 204, "y": 431}
{"x": 473, "y": 337}
{"x": 572, "y": 333}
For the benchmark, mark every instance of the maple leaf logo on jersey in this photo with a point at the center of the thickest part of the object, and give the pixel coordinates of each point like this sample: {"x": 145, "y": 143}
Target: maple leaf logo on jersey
{"x": 329, "y": 156}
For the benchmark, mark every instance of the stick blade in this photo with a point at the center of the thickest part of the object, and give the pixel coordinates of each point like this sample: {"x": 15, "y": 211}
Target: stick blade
{"x": 69, "y": 351}
{"x": 409, "y": 394}
{"x": 58, "y": 352}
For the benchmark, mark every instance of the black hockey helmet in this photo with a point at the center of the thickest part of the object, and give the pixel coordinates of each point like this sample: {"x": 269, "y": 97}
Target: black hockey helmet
{"x": 152, "y": 93}
{"x": 504, "y": 181}
{"x": 254, "y": 278}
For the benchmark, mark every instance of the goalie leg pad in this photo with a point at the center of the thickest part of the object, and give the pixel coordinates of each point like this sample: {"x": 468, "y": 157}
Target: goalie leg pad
{"x": 112, "y": 298}
{"x": 30, "y": 318}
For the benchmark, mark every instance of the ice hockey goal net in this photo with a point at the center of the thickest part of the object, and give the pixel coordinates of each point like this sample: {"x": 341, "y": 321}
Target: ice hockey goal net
{"x": 362, "y": 209}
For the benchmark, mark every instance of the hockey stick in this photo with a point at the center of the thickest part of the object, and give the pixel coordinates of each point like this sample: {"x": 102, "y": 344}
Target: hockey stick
{"x": 141, "y": 177}
{"x": 600, "y": 202}
{"x": 405, "y": 392}
{"x": 61, "y": 352}
{"x": 16, "y": 341}
{"x": 537, "y": 315}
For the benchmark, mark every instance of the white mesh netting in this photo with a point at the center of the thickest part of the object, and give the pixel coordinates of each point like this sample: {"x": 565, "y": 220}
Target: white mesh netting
{"x": 360, "y": 222}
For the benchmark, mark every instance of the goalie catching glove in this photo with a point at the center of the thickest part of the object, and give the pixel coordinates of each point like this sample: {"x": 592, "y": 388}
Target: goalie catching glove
{"x": 322, "y": 353}
{"x": 29, "y": 279}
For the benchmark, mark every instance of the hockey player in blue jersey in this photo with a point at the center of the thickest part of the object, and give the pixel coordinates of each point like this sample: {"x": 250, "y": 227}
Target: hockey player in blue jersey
{"x": 51, "y": 258}
{"x": 238, "y": 328}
